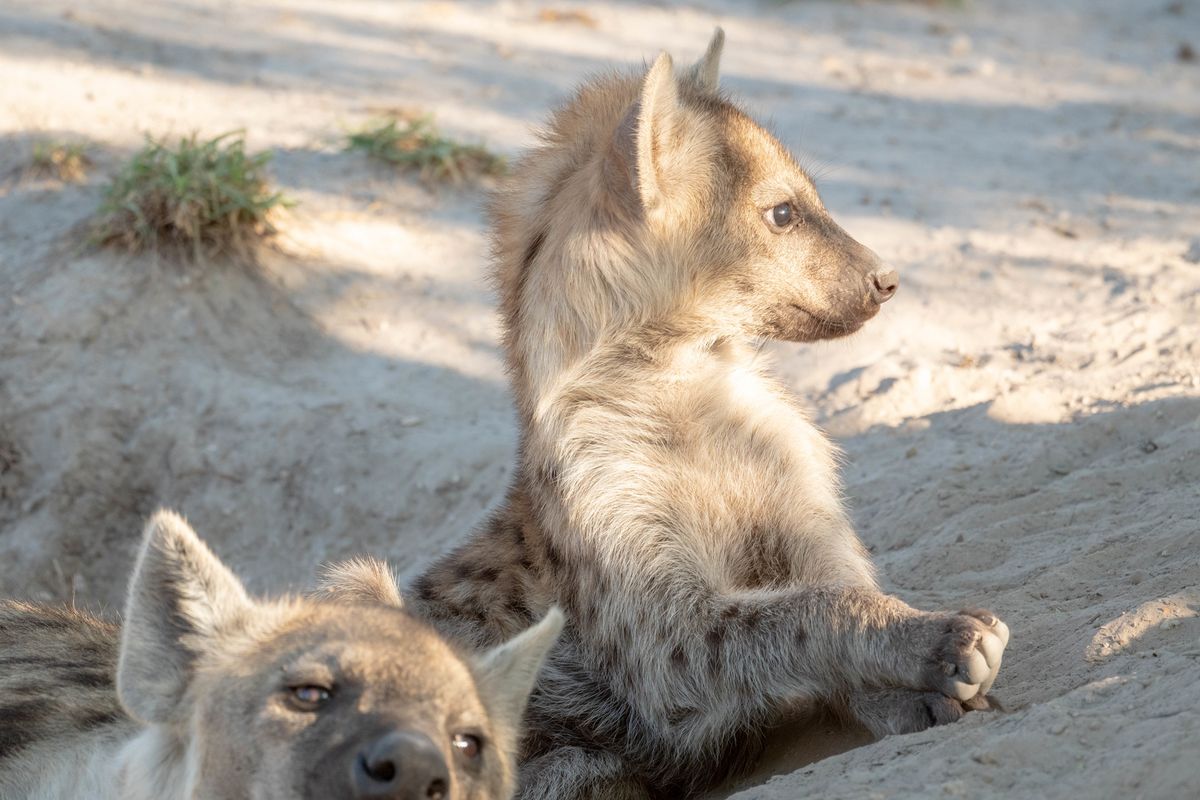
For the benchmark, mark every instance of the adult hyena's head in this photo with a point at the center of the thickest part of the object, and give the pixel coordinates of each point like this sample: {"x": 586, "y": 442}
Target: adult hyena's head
{"x": 653, "y": 195}
{"x": 342, "y": 699}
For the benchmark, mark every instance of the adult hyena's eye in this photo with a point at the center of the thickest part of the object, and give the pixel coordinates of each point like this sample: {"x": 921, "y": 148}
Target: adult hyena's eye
{"x": 308, "y": 698}
{"x": 781, "y": 215}
{"x": 467, "y": 745}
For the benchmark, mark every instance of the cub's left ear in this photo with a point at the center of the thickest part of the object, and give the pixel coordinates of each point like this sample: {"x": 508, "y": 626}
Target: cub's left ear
{"x": 507, "y": 673}
{"x": 180, "y": 596}
{"x": 360, "y": 580}
{"x": 704, "y": 72}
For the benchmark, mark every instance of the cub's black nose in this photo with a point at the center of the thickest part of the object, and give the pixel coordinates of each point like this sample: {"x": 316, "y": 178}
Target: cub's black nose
{"x": 884, "y": 284}
{"x": 402, "y": 765}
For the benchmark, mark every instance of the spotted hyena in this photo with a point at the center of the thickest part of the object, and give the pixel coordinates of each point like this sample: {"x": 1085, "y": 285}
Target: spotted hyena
{"x": 205, "y": 693}
{"x": 671, "y": 496}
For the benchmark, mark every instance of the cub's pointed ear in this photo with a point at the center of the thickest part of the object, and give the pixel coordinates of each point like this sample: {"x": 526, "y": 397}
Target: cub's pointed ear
{"x": 179, "y": 596}
{"x": 508, "y": 672}
{"x": 360, "y": 580}
{"x": 704, "y": 72}
{"x": 658, "y": 112}
{"x": 643, "y": 140}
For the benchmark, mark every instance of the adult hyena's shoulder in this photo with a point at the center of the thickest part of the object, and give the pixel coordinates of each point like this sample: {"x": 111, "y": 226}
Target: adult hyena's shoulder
{"x": 57, "y": 675}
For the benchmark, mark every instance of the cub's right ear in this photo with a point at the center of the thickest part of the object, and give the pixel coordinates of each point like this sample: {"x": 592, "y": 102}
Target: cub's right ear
{"x": 180, "y": 596}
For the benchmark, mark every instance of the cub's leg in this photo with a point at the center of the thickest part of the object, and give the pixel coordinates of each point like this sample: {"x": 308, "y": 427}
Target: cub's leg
{"x": 572, "y": 773}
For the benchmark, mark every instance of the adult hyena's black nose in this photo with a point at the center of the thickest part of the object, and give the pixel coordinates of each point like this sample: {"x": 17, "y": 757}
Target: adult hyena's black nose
{"x": 883, "y": 284}
{"x": 401, "y": 766}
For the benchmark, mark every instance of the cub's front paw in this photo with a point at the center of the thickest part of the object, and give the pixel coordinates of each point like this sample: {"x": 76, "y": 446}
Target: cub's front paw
{"x": 965, "y": 653}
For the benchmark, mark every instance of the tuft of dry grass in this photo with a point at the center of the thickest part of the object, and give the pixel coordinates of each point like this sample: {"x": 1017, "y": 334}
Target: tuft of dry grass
{"x": 66, "y": 161}
{"x": 416, "y": 144}
{"x": 569, "y": 15}
{"x": 202, "y": 197}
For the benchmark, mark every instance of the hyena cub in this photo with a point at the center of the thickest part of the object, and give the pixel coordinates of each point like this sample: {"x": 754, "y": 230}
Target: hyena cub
{"x": 207, "y": 694}
{"x": 671, "y": 496}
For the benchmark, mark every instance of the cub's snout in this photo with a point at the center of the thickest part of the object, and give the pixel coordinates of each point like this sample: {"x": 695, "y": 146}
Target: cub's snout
{"x": 883, "y": 283}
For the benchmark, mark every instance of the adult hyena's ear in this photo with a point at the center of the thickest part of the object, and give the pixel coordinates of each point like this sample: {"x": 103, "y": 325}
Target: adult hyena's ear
{"x": 508, "y": 672}
{"x": 360, "y": 580}
{"x": 180, "y": 596}
{"x": 704, "y": 72}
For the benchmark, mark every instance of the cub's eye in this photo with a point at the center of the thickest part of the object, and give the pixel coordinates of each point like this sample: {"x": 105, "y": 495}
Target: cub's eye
{"x": 309, "y": 698}
{"x": 781, "y": 215}
{"x": 467, "y": 745}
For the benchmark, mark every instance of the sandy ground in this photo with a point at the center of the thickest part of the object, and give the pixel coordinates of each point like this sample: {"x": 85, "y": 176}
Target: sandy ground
{"x": 1022, "y": 423}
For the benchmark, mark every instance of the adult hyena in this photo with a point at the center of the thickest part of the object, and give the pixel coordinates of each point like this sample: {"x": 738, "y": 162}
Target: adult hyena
{"x": 670, "y": 495}
{"x": 207, "y": 694}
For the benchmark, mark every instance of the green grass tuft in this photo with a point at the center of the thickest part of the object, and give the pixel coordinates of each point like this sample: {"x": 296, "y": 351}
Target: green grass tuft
{"x": 416, "y": 144}
{"x": 203, "y": 197}
{"x": 66, "y": 161}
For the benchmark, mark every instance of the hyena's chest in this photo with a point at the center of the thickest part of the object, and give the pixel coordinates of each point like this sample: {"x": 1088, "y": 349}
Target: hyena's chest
{"x": 754, "y": 484}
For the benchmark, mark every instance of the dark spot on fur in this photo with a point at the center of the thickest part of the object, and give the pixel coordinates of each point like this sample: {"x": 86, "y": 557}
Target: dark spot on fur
{"x": 680, "y": 714}
{"x": 532, "y": 250}
{"x": 715, "y": 640}
{"x": 632, "y": 677}
{"x": 752, "y": 617}
{"x": 744, "y": 285}
{"x": 766, "y": 560}
{"x": 548, "y": 475}
{"x": 99, "y": 719}
{"x": 488, "y": 574}
{"x": 679, "y": 657}
{"x": 517, "y": 608}
{"x": 553, "y": 557}
{"x": 22, "y": 720}
{"x": 424, "y": 587}
{"x": 91, "y": 678}
{"x": 611, "y": 655}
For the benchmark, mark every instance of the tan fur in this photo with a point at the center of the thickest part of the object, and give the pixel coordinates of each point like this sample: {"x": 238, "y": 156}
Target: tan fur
{"x": 200, "y": 698}
{"x": 670, "y": 494}
{"x": 361, "y": 579}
